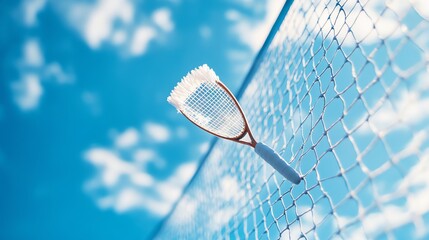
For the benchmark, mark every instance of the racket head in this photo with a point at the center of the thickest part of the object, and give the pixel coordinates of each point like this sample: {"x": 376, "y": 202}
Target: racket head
{"x": 203, "y": 99}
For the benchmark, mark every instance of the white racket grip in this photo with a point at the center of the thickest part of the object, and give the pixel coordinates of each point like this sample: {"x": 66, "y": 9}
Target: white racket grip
{"x": 277, "y": 162}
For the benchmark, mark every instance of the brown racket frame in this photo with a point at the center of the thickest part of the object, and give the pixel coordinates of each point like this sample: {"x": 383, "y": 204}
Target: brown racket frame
{"x": 246, "y": 129}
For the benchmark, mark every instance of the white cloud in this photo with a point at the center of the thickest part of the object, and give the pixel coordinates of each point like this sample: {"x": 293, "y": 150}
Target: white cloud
{"x": 205, "y": 32}
{"x": 362, "y": 25}
{"x": 113, "y": 167}
{"x": 416, "y": 184}
{"x": 27, "y": 92}
{"x": 126, "y": 183}
{"x": 411, "y": 109}
{"x": 406, "y": 110}
{"x": 31, "y": 9}
{"x": 403, "y": 7}
{"x": 233, "y": 15}
{"x": 142, "y": 156}
{"x": 127, "y": 139}
{"x": 184, "y": 173}
{"x": 92, "y": 101}
{"x": 351, "y": 25}
{"x": 157, "y": 132}
{"x": 141, "y": 39}
{"x": 185, "y": 211}
{"x": 127, "y": 199}
{"x": 162, "y": 18}
{"x": 421, "y": 7}
{"x": 32, "y": 53}
{"x": 33, "y": 71}
{"x": 171, "y": 189}
{"x": 415, "y": 188}
{"x": 204, "y": 147}
{"x": 138, "y": 193}
{"x": 114, "y": 22}
{"x": 119, "y": 37}
{"x": 229, "y": 188}
{"x": 34, "y": 59}
{"x": 414, "y": 145}
{"x": 56, "y": 72}
{"x": 99, "y": 24}
{"x": 305, "y": 224}
{"x": 253, "y": 32}
{"x": 157, "y": 207}
{"x": 226, "y": 191}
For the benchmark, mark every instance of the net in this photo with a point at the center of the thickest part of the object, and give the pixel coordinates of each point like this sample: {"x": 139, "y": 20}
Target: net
{"x": 340, "y": 90}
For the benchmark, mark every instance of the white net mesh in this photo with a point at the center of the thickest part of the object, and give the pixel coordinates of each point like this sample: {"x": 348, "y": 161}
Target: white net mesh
{"x": 340, "y": 91}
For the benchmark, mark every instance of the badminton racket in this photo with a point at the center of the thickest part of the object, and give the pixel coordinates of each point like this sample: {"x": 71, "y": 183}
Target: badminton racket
{"x": 205, "y": 101}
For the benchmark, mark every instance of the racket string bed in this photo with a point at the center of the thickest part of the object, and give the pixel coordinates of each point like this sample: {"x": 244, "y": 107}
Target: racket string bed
{"x": 210, "y": 107}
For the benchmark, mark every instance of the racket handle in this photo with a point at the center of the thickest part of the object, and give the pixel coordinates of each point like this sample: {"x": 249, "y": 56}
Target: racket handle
{"x": 277, "y": 162}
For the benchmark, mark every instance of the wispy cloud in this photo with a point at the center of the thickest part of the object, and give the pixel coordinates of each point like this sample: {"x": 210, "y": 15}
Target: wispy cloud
{"x": 143, "y": 156}
{"x": 365, "y": 23}
{"x": 33, "y": 56}
{"x": 252, "y": 31}
{"x": 99, "y": 24}
{"x": 408, "y": 109}
{"x": 117, "y": 23}
{"x": 92, "y": 101}
{"x": 27, "y": 91}
{"x": 141, "y": 39}
{"x": 119, "y": 37}
{"x": 129, "y": 186}
{"x": 122, "y": 172}
{"x": 413, "y": 189}
{"x": 162, "y": 18}
{"x": 421, "y": 7}
{"x": 406, "y": 114}
{"x": 31, "y": 8}
{"x": 205, "y": 32}
{"x": 157, "y": 132}
{"x": 55, "y": 71}
{"x": 127, "y": 139}
{"x": 113, "y": 167}
{"x": 204, "y": 147}
{"x": 228, "y": 190}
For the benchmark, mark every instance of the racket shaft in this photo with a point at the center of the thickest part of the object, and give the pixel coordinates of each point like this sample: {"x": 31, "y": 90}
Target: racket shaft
{"x": 277, "y": 162}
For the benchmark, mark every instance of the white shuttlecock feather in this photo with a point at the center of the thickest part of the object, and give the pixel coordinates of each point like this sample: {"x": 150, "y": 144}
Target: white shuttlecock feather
{"x": 190, "y": 84}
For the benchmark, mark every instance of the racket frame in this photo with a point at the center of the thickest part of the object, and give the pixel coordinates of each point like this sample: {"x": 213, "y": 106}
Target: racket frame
{"x": 246, "y": 130}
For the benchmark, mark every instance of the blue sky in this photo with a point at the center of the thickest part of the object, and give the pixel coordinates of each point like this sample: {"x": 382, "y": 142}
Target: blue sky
{"x": 89, "y": 147}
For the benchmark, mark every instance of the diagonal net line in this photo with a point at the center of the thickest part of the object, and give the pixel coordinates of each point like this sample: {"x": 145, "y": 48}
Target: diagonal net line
{"x": 340, "y": 89}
